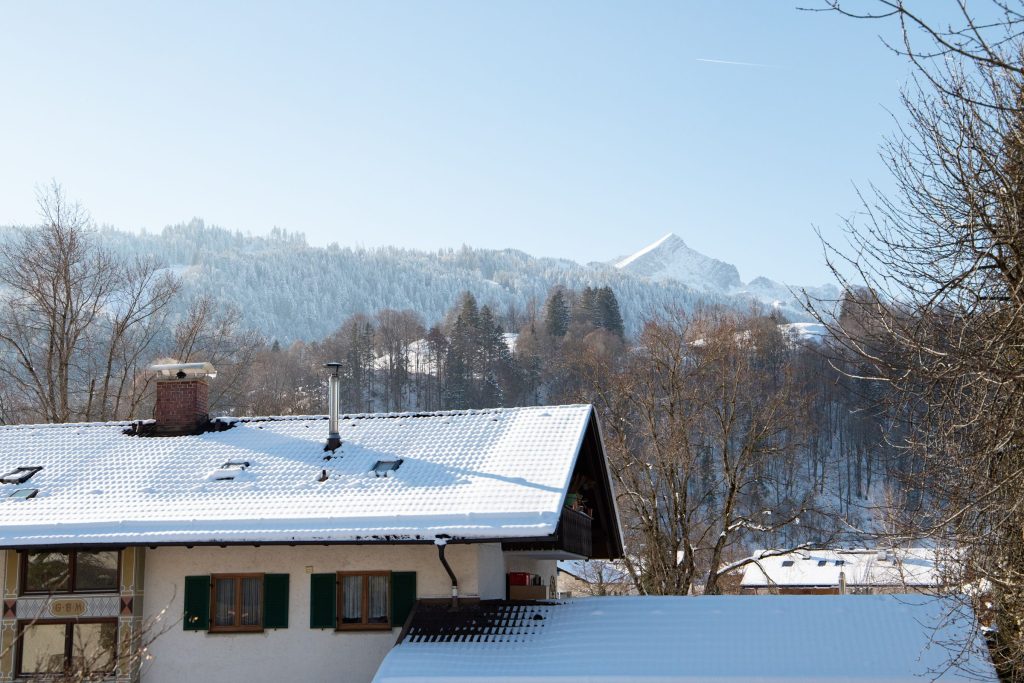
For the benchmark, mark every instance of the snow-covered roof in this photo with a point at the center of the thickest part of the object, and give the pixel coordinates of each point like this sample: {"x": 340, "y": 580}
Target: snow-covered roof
{"x": 814, "y": 333}
{"x": 911, "y": 567}
{"x": 500, "y": 473}
{"x": 720, "y": 639}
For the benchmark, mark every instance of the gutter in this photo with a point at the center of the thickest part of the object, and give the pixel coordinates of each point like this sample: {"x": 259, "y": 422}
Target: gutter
{"x": 78, "y": 543}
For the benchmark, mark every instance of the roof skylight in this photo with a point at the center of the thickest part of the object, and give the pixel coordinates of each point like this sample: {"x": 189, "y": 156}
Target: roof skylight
{"x": 24, "y": 494}
{"x": 787, "y": 563}
{"x": 822, "y": 563}
{"x": 19, "y": 475}
{"x": 229, "y": 470}
{"x": 383, "y": 467}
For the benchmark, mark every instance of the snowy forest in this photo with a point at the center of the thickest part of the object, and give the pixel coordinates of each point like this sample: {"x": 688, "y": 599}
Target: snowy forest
{"x": 291, "y": 290}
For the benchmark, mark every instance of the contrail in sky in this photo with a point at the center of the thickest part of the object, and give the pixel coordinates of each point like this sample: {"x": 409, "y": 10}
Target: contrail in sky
{"x": 726, "y": 61}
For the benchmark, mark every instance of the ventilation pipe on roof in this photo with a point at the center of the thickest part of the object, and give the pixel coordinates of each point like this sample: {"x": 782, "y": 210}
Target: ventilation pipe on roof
{"x": 333, "y": 407}
{"x": 441, "y": 542}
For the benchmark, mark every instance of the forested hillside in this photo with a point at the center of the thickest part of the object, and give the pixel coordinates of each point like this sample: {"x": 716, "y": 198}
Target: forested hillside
{"x": 289, "y": 290}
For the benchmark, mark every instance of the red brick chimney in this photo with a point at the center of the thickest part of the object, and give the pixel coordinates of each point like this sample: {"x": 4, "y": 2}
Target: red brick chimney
{"x": 182, "y": 397}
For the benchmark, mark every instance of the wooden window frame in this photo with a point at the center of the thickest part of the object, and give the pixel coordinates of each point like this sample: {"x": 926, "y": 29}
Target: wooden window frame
{"x": 72, "y": 571}
{"x": 236, "y": 627}
{"x": 363, "y": 625}
{"x": 69, "y": 648}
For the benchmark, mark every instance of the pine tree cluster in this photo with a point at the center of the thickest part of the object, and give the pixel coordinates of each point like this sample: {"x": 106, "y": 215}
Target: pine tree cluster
{"x": 593, "y": 308}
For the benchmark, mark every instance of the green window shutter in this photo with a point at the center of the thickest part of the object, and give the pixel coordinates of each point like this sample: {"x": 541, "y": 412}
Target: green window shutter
{"x": 403, "y": 596}
{"x": 323, "y": 600}
{"x": 197, "y": 603}
{"x": 275, "y": 601}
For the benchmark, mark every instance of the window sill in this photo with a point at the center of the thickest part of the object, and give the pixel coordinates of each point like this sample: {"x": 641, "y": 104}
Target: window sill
{"x": 103, "y": 676}
{"x": 56, "y": 594}
{"x": 236, "y": 629}
{"x": 363, "y": 627}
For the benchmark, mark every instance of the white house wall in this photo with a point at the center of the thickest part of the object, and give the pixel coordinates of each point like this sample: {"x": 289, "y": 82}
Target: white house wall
{"x": 297, "y": 653}
{"x": 491, "y": 568}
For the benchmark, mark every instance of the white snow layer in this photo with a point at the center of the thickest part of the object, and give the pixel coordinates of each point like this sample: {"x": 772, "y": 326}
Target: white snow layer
{"x": 720, "y": 639}
{"x": 805, "y": 332}
{"x": 470, "y": 474}
{"x": 419, "y": 358}
{"x": 862, "y": 567}
{"x": 649, "y": 248}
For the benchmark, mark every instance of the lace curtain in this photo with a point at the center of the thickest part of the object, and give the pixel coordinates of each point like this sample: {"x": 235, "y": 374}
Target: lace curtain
{"x": 376, "y": 599}
{"x": 378, "y": 603}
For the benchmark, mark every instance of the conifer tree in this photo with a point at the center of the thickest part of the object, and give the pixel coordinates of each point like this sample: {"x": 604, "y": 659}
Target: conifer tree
{"x": 496, "y": 359}
{"x": 462, "y": 354}
{"x": 607, "y": 311}
{"x": 585, "y": 309}
{"x": 490, "y": 337}
{"x": 556, "y": 313}
{"x": 437, "y": 349}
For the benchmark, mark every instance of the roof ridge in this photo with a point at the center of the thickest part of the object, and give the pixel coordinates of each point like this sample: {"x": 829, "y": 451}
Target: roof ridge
{"x": 289, "y": 418}
{"x": 71, "y": 425}
{"x": 397, "y": 415}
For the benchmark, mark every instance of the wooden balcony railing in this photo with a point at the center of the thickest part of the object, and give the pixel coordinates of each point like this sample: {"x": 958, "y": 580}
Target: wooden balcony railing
{"x": 573, "y": 536}
{"x": 574, "y": 532}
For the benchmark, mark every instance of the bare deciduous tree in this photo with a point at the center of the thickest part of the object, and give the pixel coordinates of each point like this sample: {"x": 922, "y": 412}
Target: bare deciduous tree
{"x": 93, "y": 661}
{"x": 212, "y": 331}
{"x": 700, "y": 419}
{"x": 935, "y": 303}
{"x": 74, "y": 319}
{"x": 397, "y": 331}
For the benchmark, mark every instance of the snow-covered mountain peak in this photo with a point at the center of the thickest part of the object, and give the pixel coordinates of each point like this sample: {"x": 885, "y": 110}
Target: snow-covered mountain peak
{"x": 670, "y": 258}
{"x": 671, "y": 239}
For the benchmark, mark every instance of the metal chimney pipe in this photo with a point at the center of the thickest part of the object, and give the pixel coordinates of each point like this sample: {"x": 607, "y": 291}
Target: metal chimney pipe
{"x": 333, "y": 407}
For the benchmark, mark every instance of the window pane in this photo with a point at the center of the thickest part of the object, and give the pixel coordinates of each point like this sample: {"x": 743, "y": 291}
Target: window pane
{"x": 42, "y": 648}
{"x": 48, "y": 572}
{"x": 352, "y": 591}
{"x": 252, "y": 601}
{"x": 224, "y": 602}
{"x": 96, "y": 571}
{"x": 378, "y": 600}
{"x": 93, "y": 647}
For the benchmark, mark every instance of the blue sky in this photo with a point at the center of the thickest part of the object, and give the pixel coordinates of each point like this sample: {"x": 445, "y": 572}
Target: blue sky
{"x": 576, "y": 129}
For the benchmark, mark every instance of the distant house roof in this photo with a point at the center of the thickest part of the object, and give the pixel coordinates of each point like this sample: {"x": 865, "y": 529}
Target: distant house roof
{"x": 910, "y": 567}
{"x": 720, "y": 639}
{"x": 476, "y": 474}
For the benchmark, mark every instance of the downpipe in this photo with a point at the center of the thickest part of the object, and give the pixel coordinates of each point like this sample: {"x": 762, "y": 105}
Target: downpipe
{"x": 441, "y": 542}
